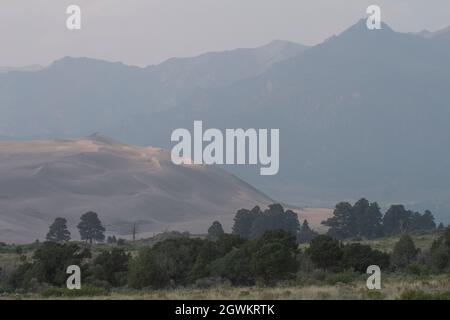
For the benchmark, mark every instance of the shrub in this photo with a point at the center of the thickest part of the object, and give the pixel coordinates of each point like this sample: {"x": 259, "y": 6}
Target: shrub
{"x": 358, "y": 257}
{"x": 404, "y": 252}
{"x": 325, "y": 252}
{"x": 49, "y": 265}
{"x": 274, "y": 257}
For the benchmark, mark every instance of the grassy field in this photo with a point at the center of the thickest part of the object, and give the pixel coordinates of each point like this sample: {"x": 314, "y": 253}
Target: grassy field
{"x": 393, "y": 287}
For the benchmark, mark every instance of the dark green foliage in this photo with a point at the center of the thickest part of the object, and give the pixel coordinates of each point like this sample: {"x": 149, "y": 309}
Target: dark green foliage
{"x": 145, "y": 271}
{"x": 184, "y": 261}
{"x": 58, "y": 231}
{"x": 399, "y": 220}
{"x": 364, "y": 220}
{"x": 236, "y": 266}
{"x": 358, "y": 257}
{"x": 404, "y": 252}
{"x": 49, "y": 265}
{"x": 306, "y": 234}
{"x": 341, "y": 224}
{"x": 91, "y": 228}
{"x": 274, "y": 257}
{"x": 422, "y": 222}
{"x": 172, "y": 261}
{"x": 254, "y": 223}
{"x": 111, "y": 266}
{"x": 215, "y": 231}
{"x": 439, "y": 255}
{"x": 243, "y": 221}
{"x": 325, "y": 252}
{"x": 228, "y": 242}
{"x": 369, "y": 218}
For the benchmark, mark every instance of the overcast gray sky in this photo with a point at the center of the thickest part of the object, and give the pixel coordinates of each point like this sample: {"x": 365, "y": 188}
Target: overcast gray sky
{"x": 143, "y": 32}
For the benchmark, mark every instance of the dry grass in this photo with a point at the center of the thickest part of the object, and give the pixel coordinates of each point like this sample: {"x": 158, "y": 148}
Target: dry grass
{"x": 392, "y": 287}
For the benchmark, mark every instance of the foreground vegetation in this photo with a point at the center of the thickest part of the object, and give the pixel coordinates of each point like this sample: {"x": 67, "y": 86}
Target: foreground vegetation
{"x": 269, "y": 255}
{"x": 307, "y": 281}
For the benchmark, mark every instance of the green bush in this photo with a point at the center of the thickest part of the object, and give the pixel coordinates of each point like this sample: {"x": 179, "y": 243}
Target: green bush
{"x": 325, "y": 252}
{"x": 341, "y": 277}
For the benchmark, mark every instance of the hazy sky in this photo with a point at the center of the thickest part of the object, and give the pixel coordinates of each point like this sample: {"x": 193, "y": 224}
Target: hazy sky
{"x": 143, "y": 32}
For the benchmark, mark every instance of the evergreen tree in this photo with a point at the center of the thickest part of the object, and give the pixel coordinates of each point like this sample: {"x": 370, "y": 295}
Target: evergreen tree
{"x": 306, "y": 234}
{"x": 372, "y": 224}
{"x": 275, "y": 218}
{"x": 404, "y": 252}
{"x": 396, "y": 220}
{"x": 426, "y": 221}
{"x": 215, "y": 231}
{"x": 58, "y": 231}
{"x": 359, "y": 216}
{"x": 90, "y": 228}
{"x": 243, "y": 221}
{"x": 341, "y": 224}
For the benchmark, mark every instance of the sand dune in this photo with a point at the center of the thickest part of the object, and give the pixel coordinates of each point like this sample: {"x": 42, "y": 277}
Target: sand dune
{"x": 41, "y": 180}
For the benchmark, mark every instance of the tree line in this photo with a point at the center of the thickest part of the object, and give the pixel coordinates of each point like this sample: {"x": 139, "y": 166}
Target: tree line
{"x": 361, "y": 220}
{"x": 365, "y": 220}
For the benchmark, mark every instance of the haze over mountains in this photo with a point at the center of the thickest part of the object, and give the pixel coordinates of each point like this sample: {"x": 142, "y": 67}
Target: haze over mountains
{"x": 363, "y": 114}
{"x": 76, "y": 96}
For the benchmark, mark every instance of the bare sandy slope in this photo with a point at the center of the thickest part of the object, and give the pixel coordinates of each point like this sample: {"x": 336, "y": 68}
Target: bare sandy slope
{"x": 315, "y": 216}
{"x": 124, "y": 184}
{"x": 41, "y": 180}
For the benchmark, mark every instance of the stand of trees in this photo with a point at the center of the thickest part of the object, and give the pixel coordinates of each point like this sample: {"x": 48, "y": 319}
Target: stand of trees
{"x": 90, "y": 229}
{"x": 251, "y": 224}
{"x": 365, "y": 219}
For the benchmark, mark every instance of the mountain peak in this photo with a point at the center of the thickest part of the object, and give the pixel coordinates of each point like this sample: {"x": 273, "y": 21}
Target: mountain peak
{"x": 360, "y": 27}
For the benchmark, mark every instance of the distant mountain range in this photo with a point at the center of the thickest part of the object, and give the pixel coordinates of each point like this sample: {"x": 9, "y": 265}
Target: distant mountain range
{"x": 364, "y": 113}
{"x": 76, "y": 96}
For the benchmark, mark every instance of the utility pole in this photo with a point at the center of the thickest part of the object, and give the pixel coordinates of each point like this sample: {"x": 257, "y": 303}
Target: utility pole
{"x": 134, "y": 231}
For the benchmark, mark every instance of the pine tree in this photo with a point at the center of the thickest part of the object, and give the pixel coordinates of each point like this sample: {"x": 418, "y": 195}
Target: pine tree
{"x": 371, "y": 224}
{"x": 396, "y": 220}
{"x": 306, "y": 234}
{"x": 243, "y": 221}
{"x": 90, "y": 227}
{"x": 58, "y": 231}
{"x": 404, "y": 252}
{"x": 341, "y": 224}
{"x": 215, "y": 231}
